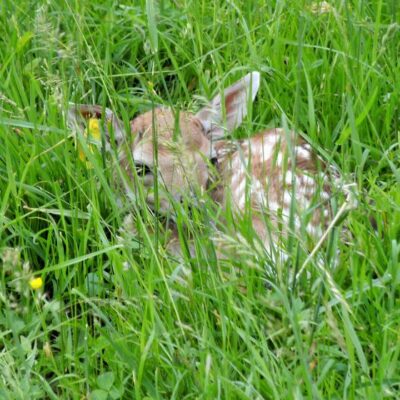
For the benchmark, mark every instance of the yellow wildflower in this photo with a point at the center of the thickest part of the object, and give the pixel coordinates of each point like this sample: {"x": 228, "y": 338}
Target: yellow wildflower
{"x": 93, "y": 134}
{"x": 36, "y": 283}
{"x": 94, "y": 129}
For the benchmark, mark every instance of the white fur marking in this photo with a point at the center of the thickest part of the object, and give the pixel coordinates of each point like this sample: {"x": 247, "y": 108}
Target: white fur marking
{"x": 273, "y": 206}
{"x": 308, "y": 181}
{"x": 325, "y": 196}
{"x": 258, "y": 192}
{"x": 287, "y": 198}
{"x": 266, "y": 150}
{"x": 314, "y": 230}
{"x": 303, "y": 153}
{"x": 240, "y": 194}
{"x": 279, "y": 159}
{"x": 288, "y": 177}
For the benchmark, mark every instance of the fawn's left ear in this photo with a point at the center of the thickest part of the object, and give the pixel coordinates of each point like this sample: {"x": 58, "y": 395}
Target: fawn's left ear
{"x": 235, "y": 102}
{"x": 79, "y": 114}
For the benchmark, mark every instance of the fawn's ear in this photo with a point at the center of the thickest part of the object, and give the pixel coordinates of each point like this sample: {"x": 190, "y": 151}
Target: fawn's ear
{"x": 235, "y": 101}
{"x": 79, "y": 114}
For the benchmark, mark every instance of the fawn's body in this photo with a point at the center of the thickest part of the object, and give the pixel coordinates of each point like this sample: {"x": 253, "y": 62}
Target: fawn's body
{"x": 274, "y": 174}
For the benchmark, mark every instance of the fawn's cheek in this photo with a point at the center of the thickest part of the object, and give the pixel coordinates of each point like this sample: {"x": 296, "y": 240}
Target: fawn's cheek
{"x": 200, "y": 170}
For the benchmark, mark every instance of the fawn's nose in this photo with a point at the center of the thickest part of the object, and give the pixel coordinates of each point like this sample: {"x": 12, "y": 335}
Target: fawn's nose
{"x": 142, "y": 169}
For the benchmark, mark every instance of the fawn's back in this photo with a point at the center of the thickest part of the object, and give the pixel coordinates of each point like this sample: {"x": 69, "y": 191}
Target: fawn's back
{"x": 277, "y": 177}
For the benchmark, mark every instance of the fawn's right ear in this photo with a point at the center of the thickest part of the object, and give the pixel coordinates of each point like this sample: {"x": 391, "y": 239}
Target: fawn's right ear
{"x": 235, "y": 102}
{"x": 79, "y": 115}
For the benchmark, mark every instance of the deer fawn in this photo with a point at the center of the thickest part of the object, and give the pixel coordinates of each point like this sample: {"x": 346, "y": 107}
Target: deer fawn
{"x": 275, "y": 174}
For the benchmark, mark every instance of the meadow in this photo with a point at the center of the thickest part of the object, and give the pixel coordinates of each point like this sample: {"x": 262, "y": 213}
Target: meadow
{"x": 90, "y": 310}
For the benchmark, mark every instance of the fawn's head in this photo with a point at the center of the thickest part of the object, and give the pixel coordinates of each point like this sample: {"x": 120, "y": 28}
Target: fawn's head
{"x": 176, "y": 146}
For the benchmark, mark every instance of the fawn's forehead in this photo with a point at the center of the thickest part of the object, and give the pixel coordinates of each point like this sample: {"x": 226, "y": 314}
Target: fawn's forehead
{"x": 167, "y": 123}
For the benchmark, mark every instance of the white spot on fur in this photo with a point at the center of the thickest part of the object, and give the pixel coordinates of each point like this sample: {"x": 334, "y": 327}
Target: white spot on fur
{"x": 306, "y": 189}
{"x": 237, "y": 178}
{"x": 258, "y": 193}
{"x": 242, "y": 201}
{"x": 273, "y": 206}
{"x": 308, "y": 181}
{"x": 267, "y": 149}
{"x": 240, "y": 193}
{"x": 279, "y": 131}
{"x": 297, "y": 223}
{"x": 303, "y": 153}
{"x": 244, "y": 145}
{"x": 314, "y": 230}
{"x": 288, "y": 177}
{"x": 325, "y": 196}
{"x": 279, "y": 159}
{"x": 287, "y": 198}
{"x": 273, "y": 138}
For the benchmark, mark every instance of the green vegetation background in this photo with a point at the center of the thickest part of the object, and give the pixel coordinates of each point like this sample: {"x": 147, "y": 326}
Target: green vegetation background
{"x": 117, "y": 317}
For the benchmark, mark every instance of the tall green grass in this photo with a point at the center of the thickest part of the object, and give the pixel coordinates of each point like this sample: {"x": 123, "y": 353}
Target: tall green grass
{"x": 118, "y": 316}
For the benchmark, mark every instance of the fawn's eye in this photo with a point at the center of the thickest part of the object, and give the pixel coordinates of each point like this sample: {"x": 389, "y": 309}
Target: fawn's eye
{"x": 143, "y": 169}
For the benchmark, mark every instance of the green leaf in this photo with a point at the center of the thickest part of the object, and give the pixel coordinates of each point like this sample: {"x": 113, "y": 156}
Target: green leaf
{"x": 32, "y": 66}
{"x": 25, "y": 344}
{"x": 346, "y": 131}
{"x": 106, "y": 380}
{"x": 115, "y": 393}
{"x": 23, "y": 40}
{"x": 355, "y": 341}
{"x": 93, "y": 285}
{"x": 152, "y": 25}
{"x": 98, "y": 394}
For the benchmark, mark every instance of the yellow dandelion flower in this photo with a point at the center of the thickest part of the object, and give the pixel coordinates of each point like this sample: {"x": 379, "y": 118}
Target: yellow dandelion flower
{"x": 81, "y": 154}
{"x": 36, "y": 283}
{"x": 94, "y": 129}
{"x": 93, "y": 134}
